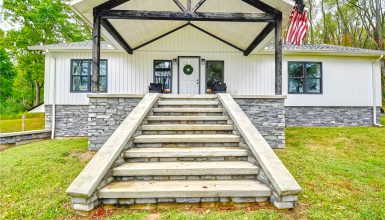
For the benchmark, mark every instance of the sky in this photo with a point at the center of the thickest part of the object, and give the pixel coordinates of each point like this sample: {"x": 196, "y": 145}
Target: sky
{"x": 5, "y": 26}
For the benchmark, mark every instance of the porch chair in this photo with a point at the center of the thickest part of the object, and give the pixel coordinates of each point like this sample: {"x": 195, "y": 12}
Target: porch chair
{"x": 220, "y": 87}
{"x": 155, "y": 88}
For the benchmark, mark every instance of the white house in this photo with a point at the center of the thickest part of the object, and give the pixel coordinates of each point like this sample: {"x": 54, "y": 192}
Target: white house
{"x": 100, "y": 89}
{"x": 345, "y": 87}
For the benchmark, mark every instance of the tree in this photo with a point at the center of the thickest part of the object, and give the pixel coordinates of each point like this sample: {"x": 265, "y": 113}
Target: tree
{"x": 311, "y": 4}
{"x": 40, "y": 21}
{"x": 356, "y": 23}
{"x": 7, "y": 75}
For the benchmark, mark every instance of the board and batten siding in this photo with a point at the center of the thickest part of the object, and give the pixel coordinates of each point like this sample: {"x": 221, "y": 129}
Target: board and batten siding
{"x": 347, "y": 81}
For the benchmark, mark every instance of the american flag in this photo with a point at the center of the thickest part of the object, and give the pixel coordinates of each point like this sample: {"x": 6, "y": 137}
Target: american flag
{"x": 297, "y": 30}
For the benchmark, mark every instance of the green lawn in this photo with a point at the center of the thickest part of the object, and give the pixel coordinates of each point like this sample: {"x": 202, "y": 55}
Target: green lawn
{"x": 342, "y": 172}
{"x": 12, "y": 123}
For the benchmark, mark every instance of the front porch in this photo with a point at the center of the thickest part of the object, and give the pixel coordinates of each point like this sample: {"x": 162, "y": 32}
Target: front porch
{"x": 245, "y": 26}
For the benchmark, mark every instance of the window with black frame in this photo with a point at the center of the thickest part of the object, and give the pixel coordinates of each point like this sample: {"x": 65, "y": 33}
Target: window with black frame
{"x": 163, "y": 73}
{"x": 81, "y": 73}
{"x": 214, "y": 73}
{"x": 305, "y": 77}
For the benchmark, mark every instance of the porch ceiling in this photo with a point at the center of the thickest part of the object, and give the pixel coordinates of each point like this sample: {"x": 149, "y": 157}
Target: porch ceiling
{"x": 138, "y": 32}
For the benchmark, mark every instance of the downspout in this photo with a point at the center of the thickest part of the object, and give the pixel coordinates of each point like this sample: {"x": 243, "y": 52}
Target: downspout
{"x": 54, "y": 99}
{"x": 374, "y": 93}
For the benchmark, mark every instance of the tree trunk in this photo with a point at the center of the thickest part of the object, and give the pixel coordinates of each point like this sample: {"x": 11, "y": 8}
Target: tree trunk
{"x": 325, "y": 41}
{"x": 37, "y": 87}
{"x": 379, "y": 35}
{"x": 380, "y": 43}
{"x": 310, "y": 4}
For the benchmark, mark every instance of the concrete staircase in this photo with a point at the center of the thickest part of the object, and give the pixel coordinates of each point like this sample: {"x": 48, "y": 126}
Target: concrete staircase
{"x": 177, "y": 149}
{"x": 186, "y": 151}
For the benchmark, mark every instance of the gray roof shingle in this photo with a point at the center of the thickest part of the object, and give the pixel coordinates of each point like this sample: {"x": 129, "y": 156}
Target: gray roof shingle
{"x": 306, "y": 48}
{"x": 323, "y": 48}
{"x": 87, "y": 44}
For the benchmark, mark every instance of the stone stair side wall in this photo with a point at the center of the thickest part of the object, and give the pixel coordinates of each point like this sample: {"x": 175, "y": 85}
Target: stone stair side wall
{"x": 121, "y": 106}
{"x": 105, "y": 115}
{"x": 88, "y": 204}
{"x": 251, "y": 108}
{"x": 268, "y": 116}
{"x": 261, "y": 175}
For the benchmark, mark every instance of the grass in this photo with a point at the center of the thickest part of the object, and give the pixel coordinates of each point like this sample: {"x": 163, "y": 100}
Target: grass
{"x": 341, "y": 170}
{"x": 13, "y": 123}
{"x": 34, "y": 177}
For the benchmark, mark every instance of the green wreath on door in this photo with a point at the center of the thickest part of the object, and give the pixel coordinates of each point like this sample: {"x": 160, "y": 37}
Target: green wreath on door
{"x": 188, "y": 69}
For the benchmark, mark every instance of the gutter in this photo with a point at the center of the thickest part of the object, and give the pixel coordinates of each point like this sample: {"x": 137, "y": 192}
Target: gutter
{"x": 374, "y": 93}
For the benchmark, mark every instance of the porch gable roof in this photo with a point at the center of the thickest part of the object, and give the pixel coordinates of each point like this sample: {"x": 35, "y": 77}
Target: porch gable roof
{"x": 137, "y": 23}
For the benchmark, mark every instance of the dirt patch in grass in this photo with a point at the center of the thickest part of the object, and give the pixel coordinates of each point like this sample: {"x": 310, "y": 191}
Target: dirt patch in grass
{"x": 84, "y": 157}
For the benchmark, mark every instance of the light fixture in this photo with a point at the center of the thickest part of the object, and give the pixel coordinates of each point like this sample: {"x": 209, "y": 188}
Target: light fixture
{"x": 203, "y": 61}
{"x": 175, "y": 61}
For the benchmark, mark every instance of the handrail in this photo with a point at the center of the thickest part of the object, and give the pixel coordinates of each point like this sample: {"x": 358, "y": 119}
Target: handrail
{"x": 281, "y": 179}
{"x": 88, "y": 180}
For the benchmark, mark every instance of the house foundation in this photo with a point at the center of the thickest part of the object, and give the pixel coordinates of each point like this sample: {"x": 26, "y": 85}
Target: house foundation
{"x": 311, "y": 116}
{"x": 105, "y": 113}
{"x": 71, "y": 120}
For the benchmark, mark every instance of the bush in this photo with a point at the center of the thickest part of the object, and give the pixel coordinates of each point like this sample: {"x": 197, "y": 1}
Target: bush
{"x": 11, "y": 106}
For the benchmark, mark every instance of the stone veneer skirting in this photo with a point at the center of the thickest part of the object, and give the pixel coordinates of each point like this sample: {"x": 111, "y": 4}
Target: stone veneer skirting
{"x": 268, "y": 116}
{"x": 330, "y": 116}
{"x": 71, "y": 120}
{"x": 105, "y": 115}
